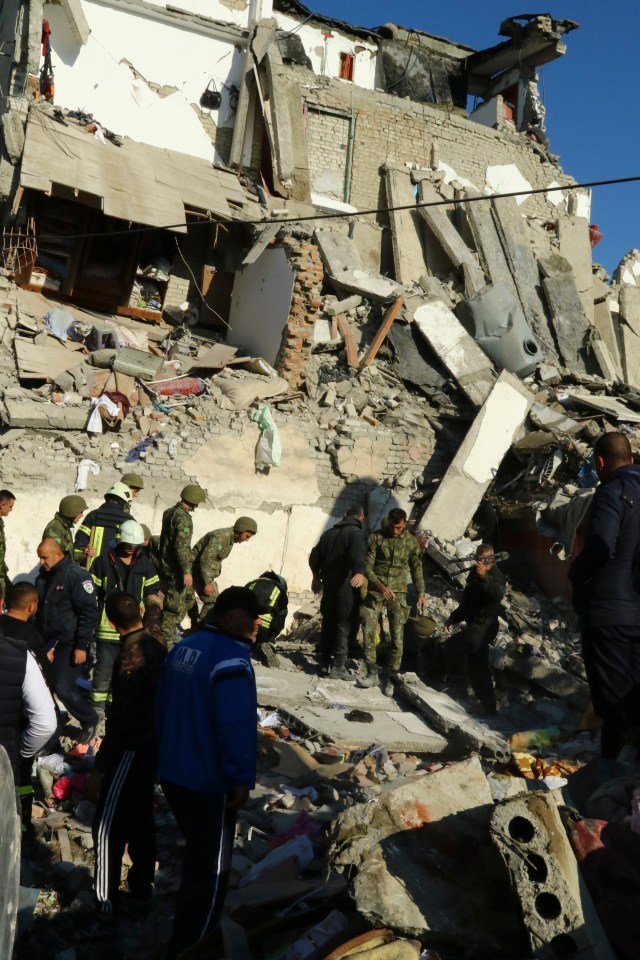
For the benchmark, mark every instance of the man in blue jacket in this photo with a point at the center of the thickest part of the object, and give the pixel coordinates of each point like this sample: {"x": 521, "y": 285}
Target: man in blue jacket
{"x": 605, "y": 595}
{"x": 207, "y": 753}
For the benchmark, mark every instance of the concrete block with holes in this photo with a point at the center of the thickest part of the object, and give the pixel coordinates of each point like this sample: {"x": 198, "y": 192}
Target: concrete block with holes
{"x": 557, "y": 910}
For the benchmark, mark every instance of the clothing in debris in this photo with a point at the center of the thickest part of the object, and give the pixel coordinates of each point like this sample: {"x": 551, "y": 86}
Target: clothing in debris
{"x": 67, "y": 618}
{"x": 127, "y": 760}
{"x": 60, "y": 529}
{"x": 339, "y": 554}
{"x": 608, "y": 605}
{"x": 175, "y": 559}
{"x": 111, "y": 573}
{"x": 390, "y": 560}
{"x": 208, "y": 554}
{"x": 105, "y": 521}
{"x": 479, "y": 609}
{"x": 206, "y": 748}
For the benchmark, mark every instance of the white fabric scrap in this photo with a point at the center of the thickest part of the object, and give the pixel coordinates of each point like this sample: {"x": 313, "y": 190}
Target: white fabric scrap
{"x": 95, "y": 420}
{"x": 84, "y": 468}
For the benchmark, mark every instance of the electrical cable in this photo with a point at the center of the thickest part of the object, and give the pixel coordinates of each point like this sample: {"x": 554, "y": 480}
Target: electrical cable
{"x": 342, "y": 215}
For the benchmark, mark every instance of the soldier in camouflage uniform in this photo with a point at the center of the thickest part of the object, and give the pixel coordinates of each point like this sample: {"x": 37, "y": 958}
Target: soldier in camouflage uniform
{"x": 7, "y": 500}
{"x": 392, "y": 554}
{"x": 175, "y": 560}
{"x": 70, "y": 511}
{"x": 208, "y": 554}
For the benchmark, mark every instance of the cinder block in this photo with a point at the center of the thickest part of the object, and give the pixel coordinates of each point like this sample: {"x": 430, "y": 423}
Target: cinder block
{"x": 557, "y": 910}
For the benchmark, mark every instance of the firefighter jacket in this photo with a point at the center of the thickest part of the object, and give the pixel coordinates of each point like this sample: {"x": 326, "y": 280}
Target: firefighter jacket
{"x": 271, "y": 594}
{"x": 110, "y": 573}
{"x": 106, "y": 522}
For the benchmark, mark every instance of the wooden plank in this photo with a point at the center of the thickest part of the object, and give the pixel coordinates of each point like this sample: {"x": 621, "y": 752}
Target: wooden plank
{"x": 65, "y": 846}
{"x": 385, "y": 326}
{"x": 408, "y": 254}
{"x": 349, "y": 340}
{"x": 450, "y": 240}
{"x": 267, "y": 234}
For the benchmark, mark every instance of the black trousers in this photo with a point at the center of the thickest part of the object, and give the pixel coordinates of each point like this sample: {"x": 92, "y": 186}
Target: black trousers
{"x": 339, "y": 609}
{"x": 612, "y": 662}
{"x": 125, "y": 816}
{"x": 206, "y": 863}
{"x": 106, "y": 655}
{"x": 472, "y": 645}
{"x": 74, "y": 699}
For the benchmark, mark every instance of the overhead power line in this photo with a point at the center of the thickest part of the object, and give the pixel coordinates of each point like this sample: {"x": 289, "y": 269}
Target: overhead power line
{"x": 343, "y": 215}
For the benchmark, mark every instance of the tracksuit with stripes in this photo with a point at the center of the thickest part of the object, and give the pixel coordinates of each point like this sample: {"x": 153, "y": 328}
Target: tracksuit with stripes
{"x": 206, "y": 748}
{"x": 127, "y": 759}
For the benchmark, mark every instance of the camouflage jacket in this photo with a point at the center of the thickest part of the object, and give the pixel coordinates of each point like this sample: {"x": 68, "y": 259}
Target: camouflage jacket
{"x": 208, "y": 554}
{"x": 391, "y": 559}
{"x": 175, "y": 556}
{"x": 61, "y": 530}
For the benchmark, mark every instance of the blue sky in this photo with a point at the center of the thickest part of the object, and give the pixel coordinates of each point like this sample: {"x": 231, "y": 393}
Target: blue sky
{"x": 592, "y": 115}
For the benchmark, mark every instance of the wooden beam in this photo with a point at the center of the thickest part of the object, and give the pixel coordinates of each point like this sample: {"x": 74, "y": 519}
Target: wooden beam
{"x": 385, "y": 326}
{"x": 349, "y": 339}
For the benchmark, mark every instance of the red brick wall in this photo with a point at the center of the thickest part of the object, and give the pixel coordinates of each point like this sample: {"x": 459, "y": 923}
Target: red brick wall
{"x": 297, "y": 341}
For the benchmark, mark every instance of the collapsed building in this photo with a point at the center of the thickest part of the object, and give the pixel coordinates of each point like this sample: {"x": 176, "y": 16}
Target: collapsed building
{"x": 223, "y": 220}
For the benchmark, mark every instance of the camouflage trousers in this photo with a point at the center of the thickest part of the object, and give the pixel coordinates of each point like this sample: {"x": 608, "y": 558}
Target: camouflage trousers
{"x": 177, "y": 602}
{"x": 207, "y": 604}
{"x": 370, "y": 611}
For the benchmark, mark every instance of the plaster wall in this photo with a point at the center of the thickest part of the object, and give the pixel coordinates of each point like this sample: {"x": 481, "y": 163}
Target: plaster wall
{"x": 284, "y": 539}
{"x": 139, "y": 75}
{"x": 260, "y": 304}
{"x": 324, "y": 53}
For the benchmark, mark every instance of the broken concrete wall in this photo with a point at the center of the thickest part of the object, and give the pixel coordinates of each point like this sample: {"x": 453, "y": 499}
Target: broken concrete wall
{"x": 139, "y": 56}
{"x": 297, "y": 339}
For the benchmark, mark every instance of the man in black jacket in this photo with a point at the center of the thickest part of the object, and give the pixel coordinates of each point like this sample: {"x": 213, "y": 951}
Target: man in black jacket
{"x": 67, "y": 618}
{"x": 605, "y": 596}
{"x": 101, "y": 526}
{"x": 124, "y": 771}
{"x": 337, "y": 563}
{"x": 479, "y": 609}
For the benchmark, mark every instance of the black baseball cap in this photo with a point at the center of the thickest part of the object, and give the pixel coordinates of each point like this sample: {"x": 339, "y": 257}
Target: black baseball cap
{"x": 238, "y": 598}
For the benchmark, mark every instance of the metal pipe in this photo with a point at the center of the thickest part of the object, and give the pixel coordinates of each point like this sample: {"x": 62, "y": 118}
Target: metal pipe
{"x": 349, "y": 160}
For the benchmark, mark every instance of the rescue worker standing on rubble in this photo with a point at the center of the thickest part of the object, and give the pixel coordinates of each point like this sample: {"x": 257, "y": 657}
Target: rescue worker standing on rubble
{"x": 207, "y": 754}
{"x": 125, "y": 568}
{"x": 479, "y": 609}
{"x": 102, "y": 526}
{"x": 175, "y": 559}
{"x": 338, "y": 566}
{"x": 392, "y": 555}
{"x": 606, "y": 597}
{"x": 70, "y": 512}
{"x": 67, "y": 617}
{"x": 7, "y": 500}
{"x": 208, "y": 554}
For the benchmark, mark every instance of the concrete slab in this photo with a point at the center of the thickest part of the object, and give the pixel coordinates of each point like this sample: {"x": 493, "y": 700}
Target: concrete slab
{"x": 406, "y": 235}
{"x": 345, "y": 269}
{"x": 397, "y": 731}
{"x": 421, "y": 864}
{"x": 575, "y": 246}
{"x": 449, "y": 239}
{"x": 546, "y": 675}
{"x": 473, "y": 468}
{"x": 452, "y": 720}
{"x": 604, "y": 323}
{"x": 44, "y": 416}
{"x": 513, "y": 233}
{"x": 569, "y": 321}
{"x": 461, "y": 355}
{"x": 605, "y": 360}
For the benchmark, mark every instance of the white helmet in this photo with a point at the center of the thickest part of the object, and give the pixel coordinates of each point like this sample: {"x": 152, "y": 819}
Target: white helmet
{"x": 121, "y": 491}
{"x": 132, "y": 533}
